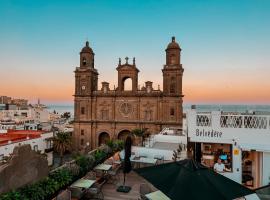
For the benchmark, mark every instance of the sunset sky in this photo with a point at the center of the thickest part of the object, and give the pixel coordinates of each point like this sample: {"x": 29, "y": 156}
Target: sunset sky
{"x": 225, "y": 46}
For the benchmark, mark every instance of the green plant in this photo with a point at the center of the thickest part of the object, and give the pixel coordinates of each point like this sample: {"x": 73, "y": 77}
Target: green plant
{"x": 62, "y": 143}
{"x": 13, "y": 195}
{"x": 118, "y": 145}
{"x": 59, "y": 179}
{"x": 83, "y": 162}
{"x": 110, "y": 143}
{"x": 99, "y": 155}
{"x": 140, "y": 133}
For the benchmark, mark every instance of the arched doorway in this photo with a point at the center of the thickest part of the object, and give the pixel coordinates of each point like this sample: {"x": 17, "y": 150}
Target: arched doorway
{"x": 122, "y": 135}
{"x": 103, "y": 138}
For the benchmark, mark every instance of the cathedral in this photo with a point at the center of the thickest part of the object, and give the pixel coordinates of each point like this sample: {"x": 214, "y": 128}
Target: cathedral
{"x": 112, "y": 113}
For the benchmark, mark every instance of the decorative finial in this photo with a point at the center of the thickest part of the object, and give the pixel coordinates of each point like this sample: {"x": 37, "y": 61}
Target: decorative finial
{"x": 133, "y": 60}
{"x": 87, "y": 43}
{"x": 173, "y": 39}
{"x": 126, "y": 60}
{"x": 119, "y": 61}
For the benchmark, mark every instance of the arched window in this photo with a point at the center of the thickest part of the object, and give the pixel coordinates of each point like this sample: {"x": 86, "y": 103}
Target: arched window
{"x": 127, "y": 84}
{"x": 172, "y": 112}
{"x": 172, "y": 88}
{"x": 103, "y": 138}
{"x": 82, "y": 110}
{"x": 172, "y": 85}
{"x": 84, "y": 61}
{"x": 173, "y": 59}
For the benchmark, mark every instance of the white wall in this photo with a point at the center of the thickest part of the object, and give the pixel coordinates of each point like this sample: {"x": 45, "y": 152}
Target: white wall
{"x": 251, "y": 138}
{"x": 266, "y": 169}
{"x": 240, "y": 138}
{"x": 170, "y": 139}
{"x": 236, "y": 173}
{"x": 41, "y": 142}
{"x": 150, "y": 152}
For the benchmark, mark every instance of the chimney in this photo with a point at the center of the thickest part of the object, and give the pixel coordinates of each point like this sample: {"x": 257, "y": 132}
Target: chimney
{"x": 149, "y": 86}
{"x": 105, "y": 87}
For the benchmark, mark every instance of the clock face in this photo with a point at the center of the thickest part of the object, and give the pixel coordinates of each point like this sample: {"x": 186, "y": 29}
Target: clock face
{"x": 83, "y": 87}
{"x": 125, "y": 108}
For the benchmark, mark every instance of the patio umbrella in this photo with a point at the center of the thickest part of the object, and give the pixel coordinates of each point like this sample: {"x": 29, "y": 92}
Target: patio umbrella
{"x": 126, "y": 165}
{"x": 188, "y": 179}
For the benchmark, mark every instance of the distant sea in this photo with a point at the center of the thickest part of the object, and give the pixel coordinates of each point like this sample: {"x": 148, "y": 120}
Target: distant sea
{"x": 202, "y": 108}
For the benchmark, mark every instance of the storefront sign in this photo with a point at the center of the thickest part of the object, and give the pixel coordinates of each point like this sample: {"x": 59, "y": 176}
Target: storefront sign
{"x": 208, "y": 133}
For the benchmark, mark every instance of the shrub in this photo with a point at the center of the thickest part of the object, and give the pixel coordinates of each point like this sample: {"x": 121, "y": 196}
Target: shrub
{"x": 99, "y": 156}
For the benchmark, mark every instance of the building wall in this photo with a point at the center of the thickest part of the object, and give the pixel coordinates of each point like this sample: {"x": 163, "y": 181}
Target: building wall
{"x": 113, "y": 111}
{"x": 244, "y": 136}
{"x": 266, "y": 168}
{"x": 42, "y": 144}
{"x": 108, "y": 114}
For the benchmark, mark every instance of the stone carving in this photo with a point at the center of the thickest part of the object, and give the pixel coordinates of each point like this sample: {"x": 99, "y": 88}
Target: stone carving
{"x": 125, "y": 108}
{"x": 24, "y": 167}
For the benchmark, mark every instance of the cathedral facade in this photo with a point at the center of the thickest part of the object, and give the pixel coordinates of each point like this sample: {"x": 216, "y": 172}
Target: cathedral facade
{"x": 111, "y": 113}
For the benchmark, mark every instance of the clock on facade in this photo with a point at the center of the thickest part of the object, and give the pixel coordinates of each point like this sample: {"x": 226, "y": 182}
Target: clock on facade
{"x": 83, "y": 87}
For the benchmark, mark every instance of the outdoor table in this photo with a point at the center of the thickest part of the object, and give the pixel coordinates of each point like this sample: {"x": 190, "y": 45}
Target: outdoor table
{"x": 132, "y": 157}
{"x": 83, "y": 183}
{"x": 157, "y": 195}
{"x": 103, "y": 167}
{"x": 144, "y": 160}
{"x": 148, "y": 160}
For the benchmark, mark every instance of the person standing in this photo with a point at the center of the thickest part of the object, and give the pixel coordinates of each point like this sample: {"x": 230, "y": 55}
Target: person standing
{"x": 219, "y": 166}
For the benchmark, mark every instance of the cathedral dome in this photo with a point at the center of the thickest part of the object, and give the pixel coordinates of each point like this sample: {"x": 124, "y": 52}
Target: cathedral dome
{"x": 86, "y": 49}
{"x": 173, "y": 44}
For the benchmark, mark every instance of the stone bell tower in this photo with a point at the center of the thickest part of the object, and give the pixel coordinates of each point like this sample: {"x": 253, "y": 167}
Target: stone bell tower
{"x": 86, "y": 76}
{"x": 173, "y": 71}
{"x": 126, "y": 71}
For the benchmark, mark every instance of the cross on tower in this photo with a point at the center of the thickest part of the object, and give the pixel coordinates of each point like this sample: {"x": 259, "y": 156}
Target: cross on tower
{"x": 126, "y": 60}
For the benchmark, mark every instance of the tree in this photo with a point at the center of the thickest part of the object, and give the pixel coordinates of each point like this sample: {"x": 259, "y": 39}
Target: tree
{"x": 142, "y": 133}
{"x": 66, "y": 115}
{"x": 62, "y": 143}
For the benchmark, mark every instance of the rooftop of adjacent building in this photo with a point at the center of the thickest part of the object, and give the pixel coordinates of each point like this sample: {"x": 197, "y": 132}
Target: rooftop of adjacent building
{"x": 12, "y": 136}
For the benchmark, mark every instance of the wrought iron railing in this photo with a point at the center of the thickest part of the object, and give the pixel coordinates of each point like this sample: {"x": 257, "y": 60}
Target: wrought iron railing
{"x": 204, "y": 119}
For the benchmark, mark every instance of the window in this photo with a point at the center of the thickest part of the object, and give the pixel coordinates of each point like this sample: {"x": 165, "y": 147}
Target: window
{"x": 82, "y": 110}
{"x": 104, "y": 114}
{"x": 173, "y": 59}
{"x": 84, "y": 61}
{"x": 148, "y": 115}
{"x": 36, "y": 148}
{"x": 82, "y": 132}
{"x": 172, "y": 112}
{"x": 172, "y": 88}
{"x": 82, "y": 141}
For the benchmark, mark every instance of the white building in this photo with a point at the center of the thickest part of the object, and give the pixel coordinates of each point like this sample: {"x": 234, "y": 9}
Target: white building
{"x": 37, "y": 114}
{"x": 163, "y": 145}
{"x": 39, "y": 141}
{"x": 242, "y": 141}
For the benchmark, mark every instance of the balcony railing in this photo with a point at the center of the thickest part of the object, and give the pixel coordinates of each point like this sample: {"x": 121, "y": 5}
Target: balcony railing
{"x": 233, "y": 121}
{"x": 244, "y": 121}
{"x": 204, "y": 119}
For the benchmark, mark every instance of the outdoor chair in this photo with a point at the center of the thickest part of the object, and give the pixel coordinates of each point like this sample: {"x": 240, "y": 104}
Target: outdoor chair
{"x": 144, "y": 189}
{"x": 91, "y": 175}
{"x": 160, "y": 159}
{"x": 95, "y": 191}
{"x": 113, "y": 177}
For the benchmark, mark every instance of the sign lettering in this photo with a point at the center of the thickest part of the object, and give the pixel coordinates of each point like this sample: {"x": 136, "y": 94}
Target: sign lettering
{"x": 208, "y": 133}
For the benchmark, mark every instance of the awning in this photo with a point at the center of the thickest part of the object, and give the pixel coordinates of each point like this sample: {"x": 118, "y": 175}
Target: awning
{"x": 190, "y": 180}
